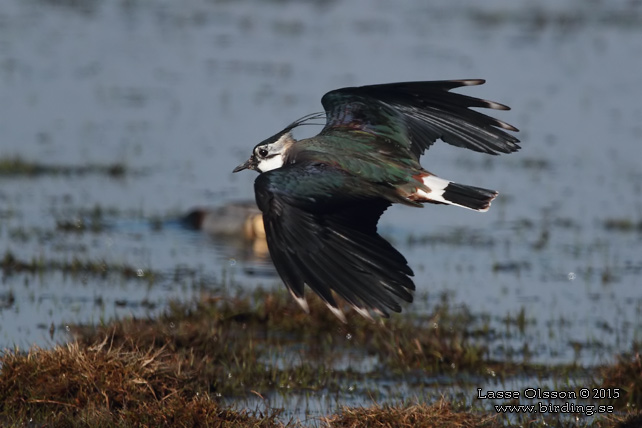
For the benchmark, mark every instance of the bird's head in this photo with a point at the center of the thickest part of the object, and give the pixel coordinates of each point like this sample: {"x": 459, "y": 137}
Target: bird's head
{"x": 269, "y": 154}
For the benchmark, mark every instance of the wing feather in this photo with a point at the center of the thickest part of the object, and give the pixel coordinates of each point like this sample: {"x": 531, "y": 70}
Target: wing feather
{"x": 416, "y": 114}
{"x": 321, "y": 230}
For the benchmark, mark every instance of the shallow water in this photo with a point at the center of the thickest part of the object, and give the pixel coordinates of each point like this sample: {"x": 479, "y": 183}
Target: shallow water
{"x": 180, "y": 93}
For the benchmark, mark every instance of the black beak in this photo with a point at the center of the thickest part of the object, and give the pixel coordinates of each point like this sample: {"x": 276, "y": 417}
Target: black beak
{"x": 249, "y": 164}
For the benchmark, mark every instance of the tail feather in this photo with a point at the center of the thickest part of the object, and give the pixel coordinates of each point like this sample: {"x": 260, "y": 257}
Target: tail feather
{"x": 475, "y": 198}
{"x": 442, "y": 191}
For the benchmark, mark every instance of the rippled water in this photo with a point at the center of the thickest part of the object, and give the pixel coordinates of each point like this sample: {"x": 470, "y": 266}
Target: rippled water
{"x": 179, "y": 92}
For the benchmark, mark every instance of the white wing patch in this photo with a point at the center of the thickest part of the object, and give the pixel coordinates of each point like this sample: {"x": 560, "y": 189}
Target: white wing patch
{"x": 338, "y": 313}
{"x": 301, "y": 301}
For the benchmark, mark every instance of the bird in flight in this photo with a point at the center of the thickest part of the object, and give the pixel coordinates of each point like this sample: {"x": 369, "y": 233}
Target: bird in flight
{"x": 322, "y": 197}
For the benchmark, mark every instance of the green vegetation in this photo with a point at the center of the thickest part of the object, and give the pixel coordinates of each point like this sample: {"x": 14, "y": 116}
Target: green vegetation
{"x": 9, "y": 264}
{"x": 623, "y": 225}
{"x": 10, "y": 167}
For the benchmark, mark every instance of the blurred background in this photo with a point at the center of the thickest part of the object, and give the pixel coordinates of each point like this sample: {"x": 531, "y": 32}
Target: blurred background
{"x": 117, "y": 118}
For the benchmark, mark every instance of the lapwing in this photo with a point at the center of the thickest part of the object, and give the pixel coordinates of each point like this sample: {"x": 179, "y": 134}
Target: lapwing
{"x": 322, "y": 197}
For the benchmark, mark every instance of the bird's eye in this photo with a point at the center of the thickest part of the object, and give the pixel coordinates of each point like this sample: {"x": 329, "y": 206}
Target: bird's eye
{"x": 263, "y": 152}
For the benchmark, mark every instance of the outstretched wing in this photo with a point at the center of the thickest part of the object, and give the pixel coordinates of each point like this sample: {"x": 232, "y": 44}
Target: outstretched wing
{"x": 416, "y": 114}
{"x": 322, "y": 232}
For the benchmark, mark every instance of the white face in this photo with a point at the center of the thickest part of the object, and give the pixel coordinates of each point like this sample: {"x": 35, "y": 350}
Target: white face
{"x": 272, "y": 156}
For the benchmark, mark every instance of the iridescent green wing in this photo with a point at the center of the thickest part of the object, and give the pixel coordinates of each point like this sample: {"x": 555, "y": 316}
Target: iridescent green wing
{"x": 370, "y": 156}
{"x": 413, "y": 115}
